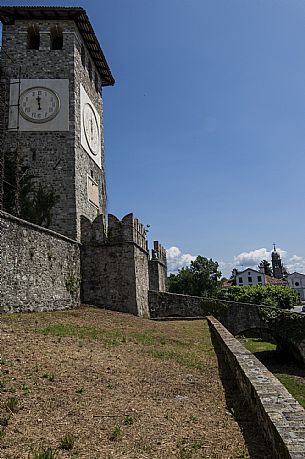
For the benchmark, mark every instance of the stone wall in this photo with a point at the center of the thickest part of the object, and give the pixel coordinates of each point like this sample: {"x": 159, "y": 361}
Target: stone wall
{"x": 286, "y": 327}
{"x": 114, "y": 264}
{"x": 164, "y": 304}
{"x": 279, "y": 415}
{"x": 39, "y": 269}
{"x": 158, "y": 268}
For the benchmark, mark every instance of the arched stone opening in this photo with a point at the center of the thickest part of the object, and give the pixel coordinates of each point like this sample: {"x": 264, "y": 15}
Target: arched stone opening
{"x": 56, "y": 38}
{"x": 33, "y": 37}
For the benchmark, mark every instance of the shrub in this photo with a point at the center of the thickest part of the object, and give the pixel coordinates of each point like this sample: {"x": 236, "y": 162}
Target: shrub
{"x": 67, "y": 442}
{"x": 269, "y": 295}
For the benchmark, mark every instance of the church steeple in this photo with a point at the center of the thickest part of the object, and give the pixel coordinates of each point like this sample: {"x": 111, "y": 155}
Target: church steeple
{"x": 277, "y": 266}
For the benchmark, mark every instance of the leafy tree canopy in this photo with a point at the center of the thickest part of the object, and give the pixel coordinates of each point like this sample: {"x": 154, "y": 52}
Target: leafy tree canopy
{"x": 35, "y": 203}
{"x": 199, "y": 279}
{"x": 270, "y": 295}
{"x": 266, "y": 265}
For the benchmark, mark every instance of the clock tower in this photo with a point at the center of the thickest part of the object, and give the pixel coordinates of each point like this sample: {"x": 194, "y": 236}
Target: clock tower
{"x": 52, "y": 73}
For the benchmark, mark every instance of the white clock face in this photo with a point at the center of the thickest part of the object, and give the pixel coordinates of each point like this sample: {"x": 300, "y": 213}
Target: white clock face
{"x": 39, "y": 104}
{"x": 91, "y": 128}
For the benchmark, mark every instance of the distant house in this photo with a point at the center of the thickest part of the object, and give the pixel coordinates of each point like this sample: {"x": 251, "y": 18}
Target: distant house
{"x": 297, "y": 282}
{"x": 250, "y": 276}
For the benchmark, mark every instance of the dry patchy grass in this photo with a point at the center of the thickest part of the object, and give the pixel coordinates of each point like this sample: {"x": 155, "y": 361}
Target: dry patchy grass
{"x": 97, "y": 384}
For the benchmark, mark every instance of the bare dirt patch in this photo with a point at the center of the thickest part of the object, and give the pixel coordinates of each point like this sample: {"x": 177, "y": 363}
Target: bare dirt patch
{"x": 120, "y": 386}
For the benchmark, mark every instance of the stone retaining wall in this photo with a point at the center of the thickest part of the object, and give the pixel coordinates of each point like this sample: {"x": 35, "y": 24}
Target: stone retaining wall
{"x": 39, "y": 269}
{"x": 280, "y": 416}
{"x": 164, "y": 304}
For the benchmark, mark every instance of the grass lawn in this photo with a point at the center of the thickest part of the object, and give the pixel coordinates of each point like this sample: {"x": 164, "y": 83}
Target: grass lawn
{"x": 291, "y": 374}
{"x": 94, "y": 384}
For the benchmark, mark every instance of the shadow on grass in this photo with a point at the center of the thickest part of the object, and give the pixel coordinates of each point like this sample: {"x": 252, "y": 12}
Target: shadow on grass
{"x": 278, "y": 362}
{"x": 241, "y": 411}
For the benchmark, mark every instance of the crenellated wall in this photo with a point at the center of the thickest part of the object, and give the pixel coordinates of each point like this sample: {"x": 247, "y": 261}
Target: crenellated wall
{"x": 114, "y": 264}
{"x": 157, "y": 268}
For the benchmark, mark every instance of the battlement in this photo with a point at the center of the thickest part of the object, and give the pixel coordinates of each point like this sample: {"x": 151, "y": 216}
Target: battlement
{"x": 129, "y": 229}
{"x": 157, "y": 268}
{"x": 158, "y": 253}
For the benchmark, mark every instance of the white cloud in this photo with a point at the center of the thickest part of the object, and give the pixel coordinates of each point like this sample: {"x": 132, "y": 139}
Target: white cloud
{"x": 251, "y": 259}
{"x": 176, "y": 259}
{"x": 295, "y": 263}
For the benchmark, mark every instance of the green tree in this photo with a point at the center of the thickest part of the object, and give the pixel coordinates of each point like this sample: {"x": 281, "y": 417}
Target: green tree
{"x": 270, "y": 295}
{"x": 199, "y": 279}
{"x": 35, "y": 203}
{"x": 266, "y": 267}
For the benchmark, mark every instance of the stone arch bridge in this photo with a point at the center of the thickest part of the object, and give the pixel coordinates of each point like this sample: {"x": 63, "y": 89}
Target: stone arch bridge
{"x": 287, "y": 328}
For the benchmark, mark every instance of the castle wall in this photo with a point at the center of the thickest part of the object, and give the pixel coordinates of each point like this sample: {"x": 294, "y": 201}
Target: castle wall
{"x": 115, "y": 266}
{"x": 279, "y": 415}
{"x": 158, "y": 268}
{"x": 39, "y": 269}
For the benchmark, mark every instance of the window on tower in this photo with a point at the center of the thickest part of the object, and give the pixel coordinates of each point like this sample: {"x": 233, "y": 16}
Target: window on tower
{"x": 83, "y": 55}
{"x": 56, "y": 38}
{"x": 96, "y": 82}
{"x": 90, "y": 70}
{"x": 33, "y": 37}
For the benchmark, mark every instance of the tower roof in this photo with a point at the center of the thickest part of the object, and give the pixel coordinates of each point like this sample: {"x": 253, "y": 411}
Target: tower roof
{"x": 8, "y": 14}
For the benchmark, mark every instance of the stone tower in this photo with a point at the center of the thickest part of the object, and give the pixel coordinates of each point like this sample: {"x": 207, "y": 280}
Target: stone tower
{"x": 52, "y": 72}
{"x": 277, "y": 266}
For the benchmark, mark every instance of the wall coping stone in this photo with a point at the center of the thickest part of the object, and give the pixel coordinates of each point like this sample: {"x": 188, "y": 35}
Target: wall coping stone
{"x": 282, "y": 417}
{"x": 41, "y": 229}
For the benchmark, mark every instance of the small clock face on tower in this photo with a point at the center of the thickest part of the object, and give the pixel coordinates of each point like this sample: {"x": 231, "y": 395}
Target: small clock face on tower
{"x": 91, "y": 128}
{"x": 39, "y": 104}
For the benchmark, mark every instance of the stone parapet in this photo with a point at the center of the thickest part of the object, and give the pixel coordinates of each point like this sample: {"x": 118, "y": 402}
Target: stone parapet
{"x": 279, "y": 415}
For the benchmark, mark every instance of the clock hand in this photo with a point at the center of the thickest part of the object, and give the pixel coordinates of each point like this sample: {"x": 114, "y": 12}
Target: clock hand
{"x": 38, "y": 101}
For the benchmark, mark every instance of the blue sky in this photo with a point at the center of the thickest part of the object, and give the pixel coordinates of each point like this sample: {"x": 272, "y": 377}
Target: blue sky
{"x": 205, "y": 127}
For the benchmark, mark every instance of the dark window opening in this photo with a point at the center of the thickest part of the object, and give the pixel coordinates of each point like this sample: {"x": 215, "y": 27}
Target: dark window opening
{"x": 259, "y": 278}
{"x": 250, "y": 279}
{"x": 96, "y": 82}
{"x": 83, "y": 55}
{"x": 56, "y": 38}
{"x": 33, "y": 155}
{"x": 240, "y": 280}
{"x": 296, "y": 284}
{"x": 33, "y": 37}
{"x": 90, "y": 70}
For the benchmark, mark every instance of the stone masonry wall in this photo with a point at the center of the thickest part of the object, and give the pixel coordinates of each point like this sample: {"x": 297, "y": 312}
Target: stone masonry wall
{"x": 114, "y": 264}
{"x": 84, "y": 165}
{"x": 279, "y": 415}
{"x": 158, "y": 268}
{"x": 39, "y": 269}
{"x": 164, "y": 304}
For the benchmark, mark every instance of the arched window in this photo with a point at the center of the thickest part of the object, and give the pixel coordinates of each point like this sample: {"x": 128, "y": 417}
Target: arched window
{"x": 96, "y": 82}
{"x": 83, "y": 55}
{"x": 90, "y": 70}
{"x": 33, "y": 37}
{"x": 56, "y": 38}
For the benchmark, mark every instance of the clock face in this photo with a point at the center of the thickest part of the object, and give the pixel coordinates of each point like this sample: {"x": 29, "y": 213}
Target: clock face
{"x": 39, "y": 104}
{"x": 91, "y": 128}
